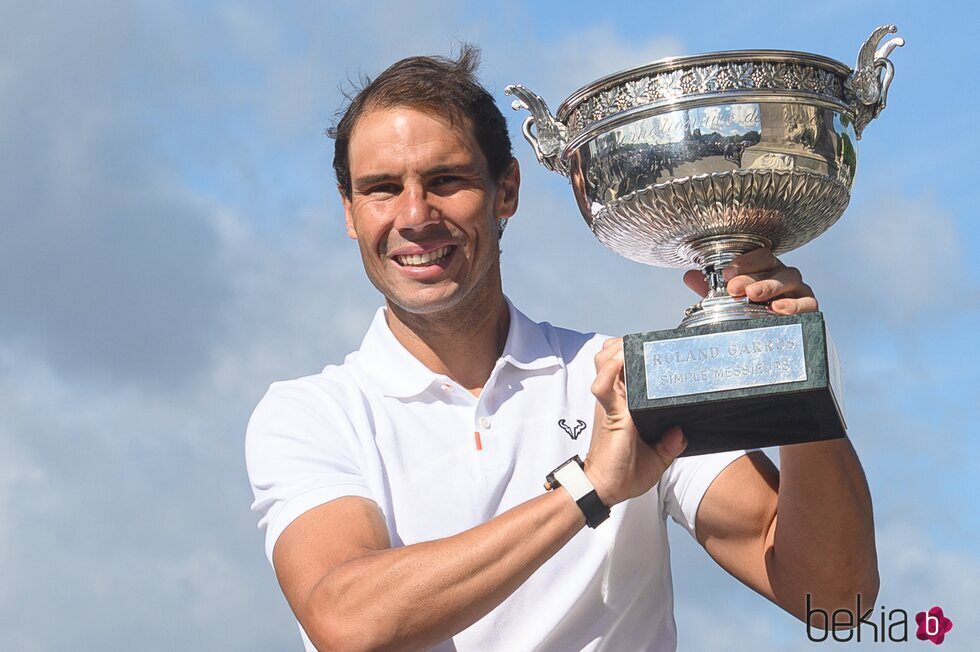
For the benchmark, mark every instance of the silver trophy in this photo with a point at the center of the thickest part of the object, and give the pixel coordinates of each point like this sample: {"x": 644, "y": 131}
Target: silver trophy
{"x": 692, "y": 161}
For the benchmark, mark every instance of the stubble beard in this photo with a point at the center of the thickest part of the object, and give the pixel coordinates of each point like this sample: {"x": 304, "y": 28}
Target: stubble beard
{"x": 454, "y": 312}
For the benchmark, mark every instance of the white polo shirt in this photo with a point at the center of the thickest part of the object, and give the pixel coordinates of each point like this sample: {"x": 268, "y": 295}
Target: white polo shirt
{"x": 438, "y": 461}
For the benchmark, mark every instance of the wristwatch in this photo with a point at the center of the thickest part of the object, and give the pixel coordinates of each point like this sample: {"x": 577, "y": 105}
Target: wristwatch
{"x": 571, "y": 475}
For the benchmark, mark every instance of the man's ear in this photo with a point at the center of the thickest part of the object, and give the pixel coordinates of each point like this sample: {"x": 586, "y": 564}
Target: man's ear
{"x": 508, "y": 190}
{"x": 348, "y": 218}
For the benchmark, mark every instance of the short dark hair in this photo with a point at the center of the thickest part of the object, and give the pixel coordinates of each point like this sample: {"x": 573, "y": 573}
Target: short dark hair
{"x": 437, "y": 85}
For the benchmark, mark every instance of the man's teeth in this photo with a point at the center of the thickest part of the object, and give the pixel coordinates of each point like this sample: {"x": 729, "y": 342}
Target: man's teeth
{"x": 423, "y": 259}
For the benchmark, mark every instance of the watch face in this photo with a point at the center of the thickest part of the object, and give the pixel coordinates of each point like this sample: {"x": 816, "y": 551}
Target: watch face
{"x": 551, "y": 482}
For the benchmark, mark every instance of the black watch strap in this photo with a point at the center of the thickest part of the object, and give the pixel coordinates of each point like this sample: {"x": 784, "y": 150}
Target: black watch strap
{"x": 595, "y": 512}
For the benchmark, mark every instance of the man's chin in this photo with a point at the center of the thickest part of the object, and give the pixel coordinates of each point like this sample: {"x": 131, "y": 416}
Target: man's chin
{"x": 426, "y": 302}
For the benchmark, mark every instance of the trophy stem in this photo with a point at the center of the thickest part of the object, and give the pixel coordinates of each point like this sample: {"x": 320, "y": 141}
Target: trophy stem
{"x": 713, "y": 254}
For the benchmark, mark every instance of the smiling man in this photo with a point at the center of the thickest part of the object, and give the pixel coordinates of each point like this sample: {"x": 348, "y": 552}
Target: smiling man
{"x": 401, "y": 492}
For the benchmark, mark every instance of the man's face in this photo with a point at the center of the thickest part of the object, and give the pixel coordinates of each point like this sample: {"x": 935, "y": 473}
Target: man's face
{"x": 424, "y": 208}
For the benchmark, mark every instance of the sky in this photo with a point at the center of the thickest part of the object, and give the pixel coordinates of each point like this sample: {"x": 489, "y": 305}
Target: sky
{"x": 171, "y": 242}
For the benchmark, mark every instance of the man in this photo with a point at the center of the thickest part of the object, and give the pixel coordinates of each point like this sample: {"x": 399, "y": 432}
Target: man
{"x": 401, "y": 491}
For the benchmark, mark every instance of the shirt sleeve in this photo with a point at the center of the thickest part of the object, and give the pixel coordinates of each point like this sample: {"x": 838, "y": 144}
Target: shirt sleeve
{"x": 301, "y": 451}
{"x": 685, "y": 482}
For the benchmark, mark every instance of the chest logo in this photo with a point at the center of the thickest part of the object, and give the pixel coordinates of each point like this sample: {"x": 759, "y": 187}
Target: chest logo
{"x": 575, "y": 431}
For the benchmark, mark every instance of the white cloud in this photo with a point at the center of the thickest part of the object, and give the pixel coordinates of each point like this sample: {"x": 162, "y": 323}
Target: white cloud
{"x": 889, "y": 258}
{"x": 107, "y": 263}
{"x": 578, "y": 58}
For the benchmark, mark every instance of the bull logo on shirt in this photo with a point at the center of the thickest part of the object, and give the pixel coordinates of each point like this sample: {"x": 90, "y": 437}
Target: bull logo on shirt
{"x": 572, "y": 432}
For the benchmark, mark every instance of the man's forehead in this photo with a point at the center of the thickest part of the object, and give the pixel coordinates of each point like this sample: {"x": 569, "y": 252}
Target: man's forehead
{"x": 387, "y": 139}
{"x": 457, "y": 122}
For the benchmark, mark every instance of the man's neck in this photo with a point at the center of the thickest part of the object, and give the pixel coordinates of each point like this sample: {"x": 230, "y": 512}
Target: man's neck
{"x": 463, "y": 342}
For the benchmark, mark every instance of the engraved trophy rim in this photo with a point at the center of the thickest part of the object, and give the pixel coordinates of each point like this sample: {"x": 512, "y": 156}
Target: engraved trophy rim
{"x": 672, "y": 63}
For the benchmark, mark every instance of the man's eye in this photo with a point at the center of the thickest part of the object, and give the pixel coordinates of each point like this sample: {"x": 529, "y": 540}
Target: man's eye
{"x": 383, "y": 189}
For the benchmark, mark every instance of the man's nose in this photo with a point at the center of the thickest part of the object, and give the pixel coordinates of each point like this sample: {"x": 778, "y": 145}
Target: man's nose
{"x": 416, "y": 210}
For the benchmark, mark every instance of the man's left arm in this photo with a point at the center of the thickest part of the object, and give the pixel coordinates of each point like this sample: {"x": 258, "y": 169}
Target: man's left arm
{"x": 807, "y": 528}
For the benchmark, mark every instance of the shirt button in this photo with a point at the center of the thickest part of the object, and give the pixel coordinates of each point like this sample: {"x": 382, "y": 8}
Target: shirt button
{"x": 484, "y": 423}
{"x": 447, "y": 387}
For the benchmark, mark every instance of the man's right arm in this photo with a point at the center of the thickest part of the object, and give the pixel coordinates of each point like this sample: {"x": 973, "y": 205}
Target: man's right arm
{"x": 351, "y": 590}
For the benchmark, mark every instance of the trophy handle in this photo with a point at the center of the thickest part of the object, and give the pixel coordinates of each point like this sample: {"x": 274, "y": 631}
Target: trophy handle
{"x": 867, "y": 86}
{"x": 549, "y": 137}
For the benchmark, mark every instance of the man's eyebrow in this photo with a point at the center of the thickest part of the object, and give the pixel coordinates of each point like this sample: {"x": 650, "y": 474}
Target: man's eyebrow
{"x": 451, "y": 168}
{"x": 369, "y": 179}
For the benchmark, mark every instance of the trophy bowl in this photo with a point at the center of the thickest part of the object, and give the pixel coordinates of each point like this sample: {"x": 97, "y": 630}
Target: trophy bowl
{"x": 692, "y": 161}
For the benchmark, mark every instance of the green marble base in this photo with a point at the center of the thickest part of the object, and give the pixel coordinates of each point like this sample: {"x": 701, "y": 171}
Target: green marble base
{"x": 741, "y": 384}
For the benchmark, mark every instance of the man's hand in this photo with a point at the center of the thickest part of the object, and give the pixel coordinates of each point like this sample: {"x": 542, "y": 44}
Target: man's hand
{"x": 620, "y": 465}
{"x": 761, "y": 277}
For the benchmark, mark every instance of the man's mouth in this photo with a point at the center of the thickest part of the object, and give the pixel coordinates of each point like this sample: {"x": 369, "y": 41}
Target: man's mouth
{"x": 421, "y": 260}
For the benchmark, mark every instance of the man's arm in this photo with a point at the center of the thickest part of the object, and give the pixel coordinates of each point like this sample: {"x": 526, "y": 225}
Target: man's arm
{"x": 351, "y": 590}
{"x": 807, "y": 528}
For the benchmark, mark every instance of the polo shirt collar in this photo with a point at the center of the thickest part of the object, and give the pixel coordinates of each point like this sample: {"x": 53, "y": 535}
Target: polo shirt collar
{"x": 400, "y": 374}
{"x": 391, "y": 367}
{"x": 526, "y": 346}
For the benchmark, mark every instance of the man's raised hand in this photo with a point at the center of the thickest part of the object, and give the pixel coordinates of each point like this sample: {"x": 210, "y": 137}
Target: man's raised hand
{"x": 761, "y": 277}
{"x": 620, "y": 465}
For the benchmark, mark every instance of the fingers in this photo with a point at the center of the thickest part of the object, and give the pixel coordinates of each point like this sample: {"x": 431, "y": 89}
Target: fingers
{"x": 694, "y": 279}
{"x": 794, "y": 306}
{"x": 765, "y": 286}
{"x": 755, "y": 261}
{"x": 609, "y": 386}
{"x": 761, "y": 277}
{"x": 652, "y": 461}
{"x": 671, "y": 444}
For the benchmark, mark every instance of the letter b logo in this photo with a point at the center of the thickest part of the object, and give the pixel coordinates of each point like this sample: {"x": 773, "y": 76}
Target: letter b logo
{"x": 933, "y": 626}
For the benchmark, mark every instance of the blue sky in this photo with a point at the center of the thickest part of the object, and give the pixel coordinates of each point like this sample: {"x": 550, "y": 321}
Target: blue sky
{"x": 171, "y": 243}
